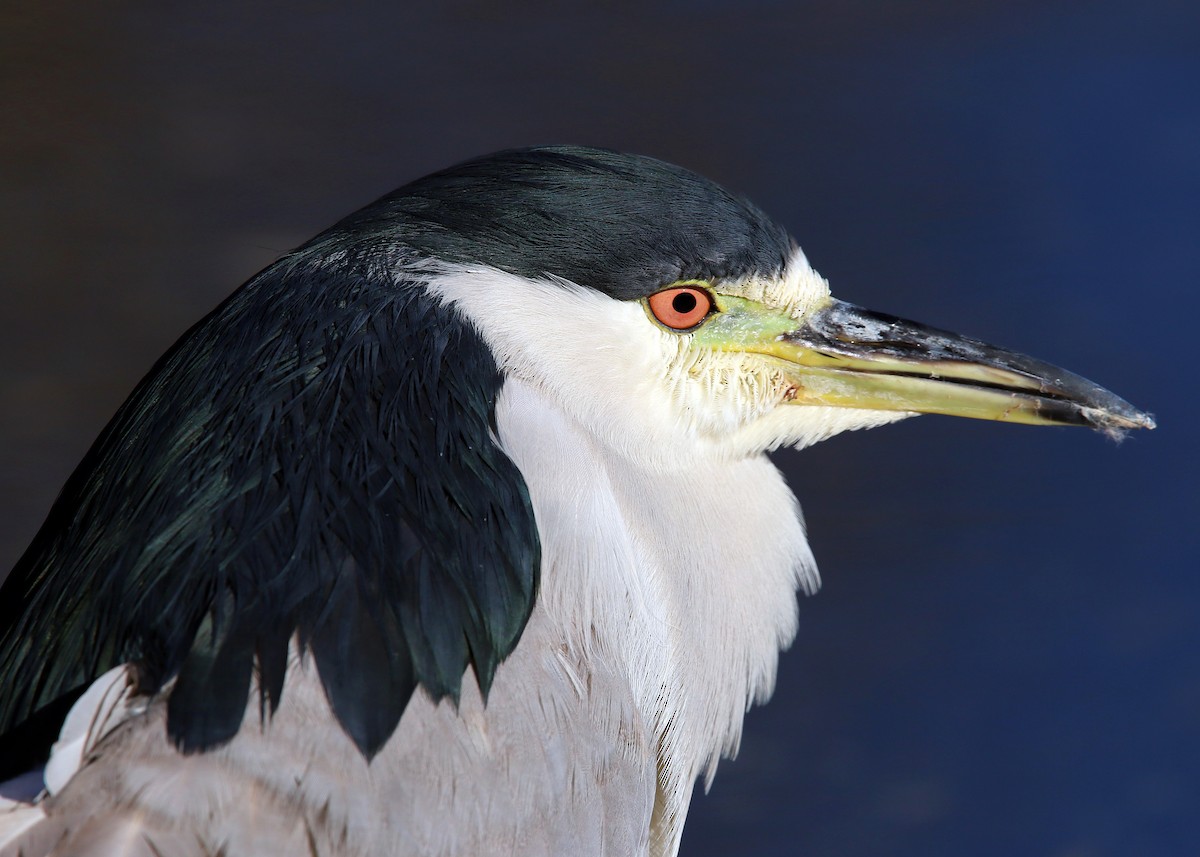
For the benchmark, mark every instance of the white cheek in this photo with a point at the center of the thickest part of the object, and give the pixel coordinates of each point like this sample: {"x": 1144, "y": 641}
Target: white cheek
{"x": 602, "y": 360}
{"x": 722, "y": 392}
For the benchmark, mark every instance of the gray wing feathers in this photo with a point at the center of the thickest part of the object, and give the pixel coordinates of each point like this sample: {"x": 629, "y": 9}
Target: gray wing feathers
{"x": 531, "y": 773}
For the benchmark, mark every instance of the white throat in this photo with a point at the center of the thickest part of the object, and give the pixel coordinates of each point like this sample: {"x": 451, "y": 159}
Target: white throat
{"x": 688, "y": 592}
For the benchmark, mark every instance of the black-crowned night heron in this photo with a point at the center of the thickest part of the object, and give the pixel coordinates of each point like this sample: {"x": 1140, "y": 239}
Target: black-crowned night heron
{"x": 453, "y": 532}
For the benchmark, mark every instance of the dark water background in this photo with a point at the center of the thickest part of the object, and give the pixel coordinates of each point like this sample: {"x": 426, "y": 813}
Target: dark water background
{"x": 1005, "y": 659}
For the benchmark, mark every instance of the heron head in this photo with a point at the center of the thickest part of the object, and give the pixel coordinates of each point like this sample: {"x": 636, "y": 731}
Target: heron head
{"x": 673, "y": 319}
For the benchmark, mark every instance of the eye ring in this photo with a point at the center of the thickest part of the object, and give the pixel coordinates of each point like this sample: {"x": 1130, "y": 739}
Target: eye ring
{"x": 680, "y": 307}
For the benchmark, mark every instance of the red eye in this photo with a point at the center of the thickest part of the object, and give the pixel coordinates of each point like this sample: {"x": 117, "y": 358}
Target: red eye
{"x": 681, "y": 308}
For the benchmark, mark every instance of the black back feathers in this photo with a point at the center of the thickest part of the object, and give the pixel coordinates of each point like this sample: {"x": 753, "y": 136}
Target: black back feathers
{"x": 316, "y": 459}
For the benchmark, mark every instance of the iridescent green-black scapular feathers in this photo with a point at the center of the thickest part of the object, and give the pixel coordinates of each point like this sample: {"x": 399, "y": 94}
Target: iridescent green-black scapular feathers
{"x": 316, "y": 458}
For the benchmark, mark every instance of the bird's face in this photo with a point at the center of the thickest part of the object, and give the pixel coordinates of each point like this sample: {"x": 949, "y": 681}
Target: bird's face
{"x": 731, "y": 368}
{"x": 671, "y": 319}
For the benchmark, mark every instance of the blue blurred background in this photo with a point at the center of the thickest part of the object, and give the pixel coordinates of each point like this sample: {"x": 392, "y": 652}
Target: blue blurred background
{"x": 1005, "y": 659}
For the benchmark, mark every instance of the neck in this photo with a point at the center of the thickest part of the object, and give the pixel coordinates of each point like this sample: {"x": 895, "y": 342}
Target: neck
{"x": 687, "y": 592}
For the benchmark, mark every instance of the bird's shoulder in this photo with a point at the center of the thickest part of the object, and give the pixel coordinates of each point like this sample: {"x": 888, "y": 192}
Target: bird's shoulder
{"x": 315, "y": 460}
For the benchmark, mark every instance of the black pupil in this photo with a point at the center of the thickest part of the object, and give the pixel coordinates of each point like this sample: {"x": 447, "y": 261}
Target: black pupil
{"x": 683, "y": 303}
